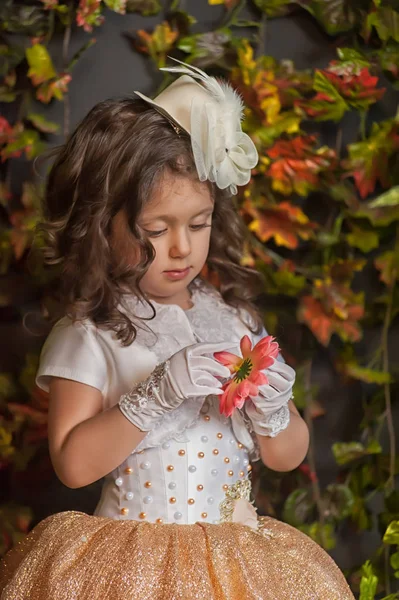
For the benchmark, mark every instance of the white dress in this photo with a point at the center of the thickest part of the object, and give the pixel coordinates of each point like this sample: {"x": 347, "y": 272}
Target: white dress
{"x": 180, "y": 471}
{"x": 175, "y": 520}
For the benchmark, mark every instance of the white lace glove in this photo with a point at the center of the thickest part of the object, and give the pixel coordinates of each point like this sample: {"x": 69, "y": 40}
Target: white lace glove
{"x": 187, "y": 374}
{"x": 268, "y": 412}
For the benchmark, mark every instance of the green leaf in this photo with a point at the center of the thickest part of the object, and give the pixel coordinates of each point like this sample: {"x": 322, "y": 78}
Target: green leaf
{"x": 288, "y": 283}
{"x": 28, "y": 141}
{"x": 322, "y": 535}
{"x": 362, "y": 239}
{"x": 334, "y": 111}
{"x": 42, "y": 124}
{"x": 346, "y": 452}
{"x": 368, "y": 583}
{"x": 10, "y": 57}
{"x": 182, "y": 21}
{"x": 118, "y": 6}
{"x": 391, "y": 535}
{"x": 41, "y": 66}
{"x": 335, "y": 16}
{"x": 344, "y": 191}
{"x": 352, "y": 56}
{"x": 367, "y": 375}
{"x": 298, "y": 507}
{"x": 389, "y": 198}
{"x": 394, "y": 560}
{"x": 286, "y": 122}
{"x": 383, "y": 210}
{"x": 389, "y": 60}
{"x": 283, "y": 281}
{"x": 338, "y": 500}
{"x": 6, "y": 95}
{"x": 387, "y": 264}
{"x": 386, "y": 23}
{"x": 379, "y": 217}
{"x": 213, "y": 45}
{"x": 360, "y": 514}
{"x": 147, "y": 8}
{"x": 23, "y": 19}
{"x": 273, "y": 8}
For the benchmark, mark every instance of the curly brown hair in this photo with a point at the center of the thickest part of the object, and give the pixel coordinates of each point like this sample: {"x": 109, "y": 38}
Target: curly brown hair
{"x": 112, "y": 162}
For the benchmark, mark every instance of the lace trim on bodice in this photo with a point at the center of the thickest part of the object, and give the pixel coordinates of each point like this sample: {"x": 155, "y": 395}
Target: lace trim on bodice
{"x": 209, "y": 320}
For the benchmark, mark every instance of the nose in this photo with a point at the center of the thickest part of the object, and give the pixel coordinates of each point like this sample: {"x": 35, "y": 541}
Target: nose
{"x": 180, "y": 244}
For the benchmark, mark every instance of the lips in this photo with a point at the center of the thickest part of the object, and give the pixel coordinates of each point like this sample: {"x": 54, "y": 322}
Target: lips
{"x": 177, "y": 274}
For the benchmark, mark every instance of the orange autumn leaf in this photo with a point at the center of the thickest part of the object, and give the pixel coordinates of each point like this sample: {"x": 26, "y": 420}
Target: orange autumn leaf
{"x": 284, "y": 223}
{"x": 312, "y": 313}
{"x": 56, "y": 88}
{"x": 297, "y": 165}
{"x": 388, "y": 266}
{"x": 323, "y": 322}
{"x": 158, "y": 43}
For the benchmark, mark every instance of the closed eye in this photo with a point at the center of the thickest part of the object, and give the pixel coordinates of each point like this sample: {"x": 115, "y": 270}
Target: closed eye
{"x": 159, "y": 232}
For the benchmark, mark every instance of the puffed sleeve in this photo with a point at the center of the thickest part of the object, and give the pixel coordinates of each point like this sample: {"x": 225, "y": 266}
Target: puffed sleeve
{"x": 72, "y": 351}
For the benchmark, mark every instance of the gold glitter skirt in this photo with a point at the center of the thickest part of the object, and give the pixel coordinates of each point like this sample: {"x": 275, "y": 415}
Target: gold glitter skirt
{"x": 71, "y": 555}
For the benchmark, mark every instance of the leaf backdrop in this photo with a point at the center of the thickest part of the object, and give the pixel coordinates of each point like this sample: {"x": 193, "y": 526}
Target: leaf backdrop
{"x": 322, "y": 221}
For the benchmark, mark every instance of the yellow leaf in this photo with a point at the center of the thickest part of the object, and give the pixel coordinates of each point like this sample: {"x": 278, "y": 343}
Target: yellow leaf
{"x": 41, "y": 66}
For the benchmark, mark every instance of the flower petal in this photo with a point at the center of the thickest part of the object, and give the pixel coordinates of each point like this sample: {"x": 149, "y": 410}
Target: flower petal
{"x": 265, "y": 363}
{"x": 227, "y": 402}
{"x": 258, "y": 378}
{"x": 252, "y": 389}
{"x": 227, "y": 359}
{"x": 245, "y": 346}
{"x": 243, "y": 388}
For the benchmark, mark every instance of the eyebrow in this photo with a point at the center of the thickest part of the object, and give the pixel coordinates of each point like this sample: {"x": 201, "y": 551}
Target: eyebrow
{"x": 171, "y": 219}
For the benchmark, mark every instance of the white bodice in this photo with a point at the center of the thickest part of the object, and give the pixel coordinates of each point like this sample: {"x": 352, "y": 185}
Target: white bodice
{"x": 155, "y": 472}
{"x": 179, "y": 481}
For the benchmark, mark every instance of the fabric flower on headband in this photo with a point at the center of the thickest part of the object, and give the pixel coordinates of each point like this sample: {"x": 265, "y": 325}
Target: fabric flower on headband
{"x": 211, "y": 113}
{"x": 247, "y": 370}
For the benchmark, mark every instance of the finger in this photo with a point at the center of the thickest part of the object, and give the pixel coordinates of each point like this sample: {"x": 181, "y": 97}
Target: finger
{"x": 210, "y": 348}
{"x": 283, "y": 370}
{"x": 203, "y": 378}
{"x": 211, "y": 366}
{"x": 207, "y": 391}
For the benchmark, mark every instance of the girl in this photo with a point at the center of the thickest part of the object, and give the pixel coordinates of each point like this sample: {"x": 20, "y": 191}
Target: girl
{"x": 138, "y": 203}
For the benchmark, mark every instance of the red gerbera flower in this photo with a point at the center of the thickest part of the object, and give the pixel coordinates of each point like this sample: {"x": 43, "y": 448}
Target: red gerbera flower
{"x": 247, "y": 370}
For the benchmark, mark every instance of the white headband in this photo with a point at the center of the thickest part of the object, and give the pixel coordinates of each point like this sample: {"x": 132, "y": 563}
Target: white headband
{"x": 211, "y": 114}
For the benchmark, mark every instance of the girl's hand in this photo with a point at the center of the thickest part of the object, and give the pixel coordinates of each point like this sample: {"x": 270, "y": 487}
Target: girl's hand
{"x": 268, "y": 411}
{"x": 191, "y": 372}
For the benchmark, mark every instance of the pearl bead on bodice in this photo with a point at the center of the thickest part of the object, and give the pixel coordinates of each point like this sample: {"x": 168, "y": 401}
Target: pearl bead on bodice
{"x": 178, "y": 481}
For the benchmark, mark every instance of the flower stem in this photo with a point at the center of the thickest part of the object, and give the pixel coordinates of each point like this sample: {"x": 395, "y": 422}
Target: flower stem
{"x": 390, "y": 483}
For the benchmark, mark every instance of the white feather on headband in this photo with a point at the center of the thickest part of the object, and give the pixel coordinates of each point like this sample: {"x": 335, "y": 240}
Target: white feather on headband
{"x": 221, "y": 91}
{"x": 212, "y": 113}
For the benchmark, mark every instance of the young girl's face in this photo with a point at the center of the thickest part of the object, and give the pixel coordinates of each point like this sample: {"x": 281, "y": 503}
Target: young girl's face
{"x": 177, "y": 221}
